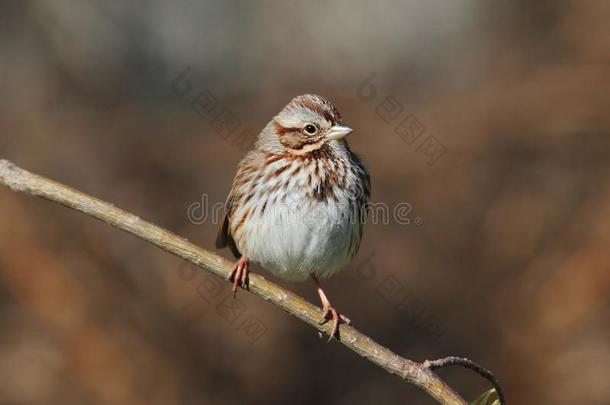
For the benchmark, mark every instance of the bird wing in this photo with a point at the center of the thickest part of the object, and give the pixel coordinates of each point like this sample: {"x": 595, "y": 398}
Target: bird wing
{"x": 224, "y": 237}
{"x": 246, "y": 171}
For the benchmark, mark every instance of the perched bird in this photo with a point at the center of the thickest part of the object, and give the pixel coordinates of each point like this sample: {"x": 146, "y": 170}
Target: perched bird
{"x": 298, "y": 201}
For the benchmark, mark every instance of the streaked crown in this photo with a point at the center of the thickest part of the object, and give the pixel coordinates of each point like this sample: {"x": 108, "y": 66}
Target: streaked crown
{"x": 307, "y": 123}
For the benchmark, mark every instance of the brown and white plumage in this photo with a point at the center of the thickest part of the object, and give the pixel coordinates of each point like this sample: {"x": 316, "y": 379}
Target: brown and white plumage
{"x": 298, "y": 200}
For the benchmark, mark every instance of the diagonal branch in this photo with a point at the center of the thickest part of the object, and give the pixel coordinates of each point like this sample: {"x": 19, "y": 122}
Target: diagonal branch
{"x": 419, "y": 374}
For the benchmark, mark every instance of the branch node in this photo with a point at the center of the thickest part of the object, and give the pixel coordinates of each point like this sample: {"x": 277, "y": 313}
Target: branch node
{"x": 471, "y": 365}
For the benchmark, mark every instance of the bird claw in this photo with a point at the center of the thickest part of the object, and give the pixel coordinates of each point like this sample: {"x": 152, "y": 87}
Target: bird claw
{"x": 330, "y": 313}
{"x": 239, "y": 275}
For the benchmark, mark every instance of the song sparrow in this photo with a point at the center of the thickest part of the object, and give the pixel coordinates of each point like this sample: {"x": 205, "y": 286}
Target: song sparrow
{"x": 298, "y": 199}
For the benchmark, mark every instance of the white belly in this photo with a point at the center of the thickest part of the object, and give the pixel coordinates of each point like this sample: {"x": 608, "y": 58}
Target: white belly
{"x": 301, "y": 237}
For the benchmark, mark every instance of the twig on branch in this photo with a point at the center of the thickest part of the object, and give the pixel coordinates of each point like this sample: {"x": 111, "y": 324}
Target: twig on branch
{"x": 419, "y": 374}
{"x": 471, "y": 365}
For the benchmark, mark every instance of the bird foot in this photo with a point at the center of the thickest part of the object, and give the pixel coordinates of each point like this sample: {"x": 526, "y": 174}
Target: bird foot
{"x": 330, "y": 313}
{"x": 239, "y": 275}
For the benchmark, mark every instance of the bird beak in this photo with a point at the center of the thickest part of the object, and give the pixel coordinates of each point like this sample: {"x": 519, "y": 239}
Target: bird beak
{"x": 338, "y": 131}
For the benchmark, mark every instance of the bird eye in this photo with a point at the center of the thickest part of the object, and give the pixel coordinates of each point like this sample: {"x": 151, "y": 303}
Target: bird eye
{"x": 311, "y": 129}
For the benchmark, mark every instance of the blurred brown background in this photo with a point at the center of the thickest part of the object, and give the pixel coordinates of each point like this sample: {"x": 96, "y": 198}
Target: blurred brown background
{"x": 509, "y": 267}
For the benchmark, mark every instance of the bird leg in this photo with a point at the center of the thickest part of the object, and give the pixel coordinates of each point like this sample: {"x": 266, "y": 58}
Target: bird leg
{"x": 239, "y": 274}
{"x": 328, "y": 312}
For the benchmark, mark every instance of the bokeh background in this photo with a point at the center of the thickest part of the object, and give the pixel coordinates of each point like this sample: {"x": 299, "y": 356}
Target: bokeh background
{"x": 510, "y": 264}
